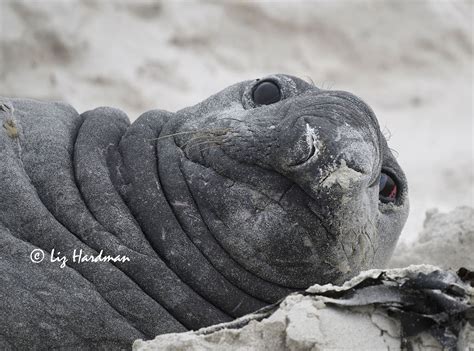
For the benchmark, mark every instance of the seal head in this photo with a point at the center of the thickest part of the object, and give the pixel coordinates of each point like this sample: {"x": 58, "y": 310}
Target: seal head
{"x": 295, "y": 183}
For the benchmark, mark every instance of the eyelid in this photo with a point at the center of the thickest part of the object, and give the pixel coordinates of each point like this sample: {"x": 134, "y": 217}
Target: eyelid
{"x": 382, "y": 174}
{"x": 376, "y": 181}
{"x": 388, "y": 171}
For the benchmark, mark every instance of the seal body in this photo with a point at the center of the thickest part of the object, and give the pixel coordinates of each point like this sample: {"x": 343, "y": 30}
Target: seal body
{"x": 112, "y": 231}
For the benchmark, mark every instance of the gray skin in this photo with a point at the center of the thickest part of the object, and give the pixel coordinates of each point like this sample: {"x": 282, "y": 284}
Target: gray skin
{"x": 222, "y": 208}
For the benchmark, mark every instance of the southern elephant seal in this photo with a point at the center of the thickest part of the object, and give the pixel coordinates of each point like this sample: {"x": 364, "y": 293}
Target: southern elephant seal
{"x": 210, "y": 213}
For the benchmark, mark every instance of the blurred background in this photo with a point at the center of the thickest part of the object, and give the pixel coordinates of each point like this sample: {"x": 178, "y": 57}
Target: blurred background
{"x": 411, "y": 61}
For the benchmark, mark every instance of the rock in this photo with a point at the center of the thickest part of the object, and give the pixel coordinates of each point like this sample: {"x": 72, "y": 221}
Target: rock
{"x": 447, "y": 241}
{"x": 418, "y": 307}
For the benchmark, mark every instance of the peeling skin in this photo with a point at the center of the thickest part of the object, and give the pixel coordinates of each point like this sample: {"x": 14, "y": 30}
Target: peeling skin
{"x": 11, "y": 128}
{"x": 371, "y": 274}
{"x": 316, "y": 321}
{"x": 300, "y": 324}
{"x": 9, "y": 123}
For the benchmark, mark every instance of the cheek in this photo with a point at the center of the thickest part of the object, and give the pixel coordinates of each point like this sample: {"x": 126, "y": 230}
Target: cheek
{"x": 258, "y": 233}
{"x": 390, "y": 223}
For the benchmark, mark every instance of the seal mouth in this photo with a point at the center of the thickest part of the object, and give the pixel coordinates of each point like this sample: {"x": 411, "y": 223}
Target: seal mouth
{"x": 291, "y": 242}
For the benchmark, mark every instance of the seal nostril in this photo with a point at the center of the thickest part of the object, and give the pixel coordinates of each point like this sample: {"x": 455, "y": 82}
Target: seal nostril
{"x": 312, "y": 152}
{"x": 266, "y": 93}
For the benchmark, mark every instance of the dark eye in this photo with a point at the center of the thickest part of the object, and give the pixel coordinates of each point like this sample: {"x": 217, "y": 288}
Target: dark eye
{"x": 266, "y": 93}
{"x": 387, "y": 189}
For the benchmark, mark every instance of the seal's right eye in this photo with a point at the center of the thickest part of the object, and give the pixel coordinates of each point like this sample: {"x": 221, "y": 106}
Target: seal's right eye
{"x": 266, "y": 92}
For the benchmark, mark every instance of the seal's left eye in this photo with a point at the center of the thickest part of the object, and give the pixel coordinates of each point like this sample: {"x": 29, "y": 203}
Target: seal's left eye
{"x": 266, "y": 93}
{"x": 387, "y": 189}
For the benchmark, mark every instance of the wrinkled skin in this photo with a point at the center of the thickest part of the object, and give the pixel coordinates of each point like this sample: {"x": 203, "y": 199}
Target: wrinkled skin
{"x": 222, "y": 208}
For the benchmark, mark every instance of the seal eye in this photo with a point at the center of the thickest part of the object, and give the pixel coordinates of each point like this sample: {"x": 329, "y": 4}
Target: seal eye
{"x": 266, "y": 93}
{"x": 387, "y": 189}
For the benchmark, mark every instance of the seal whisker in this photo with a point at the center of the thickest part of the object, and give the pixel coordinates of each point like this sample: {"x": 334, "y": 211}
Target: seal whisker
{"x": 192, "y": 131}
{"x": 343, "y": 250}
{"x": 367, "y": 237}
{"x": 210, "y": 147}
{"x": 202, "y": 137}
{"x": 202, "y": 143}
{"x": 386, "y": 133}
{"x": 374, "y": 229}
{"x": 199, "y": 138}
{"x": 394, "y": 152}
{"x": 310, "y": 80}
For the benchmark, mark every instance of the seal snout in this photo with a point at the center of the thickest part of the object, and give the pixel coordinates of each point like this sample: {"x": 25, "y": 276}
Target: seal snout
{"x": 327, "y": 132}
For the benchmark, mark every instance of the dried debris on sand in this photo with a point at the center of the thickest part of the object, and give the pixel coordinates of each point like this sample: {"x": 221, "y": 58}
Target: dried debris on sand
{"x": 417, "y": 307}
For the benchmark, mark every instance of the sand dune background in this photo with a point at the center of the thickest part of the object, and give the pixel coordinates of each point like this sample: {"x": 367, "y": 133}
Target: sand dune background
{"x": 410, "y": 60}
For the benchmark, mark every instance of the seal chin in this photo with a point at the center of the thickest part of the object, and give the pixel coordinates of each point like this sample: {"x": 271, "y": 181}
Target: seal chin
{"x": 277, "y": 234}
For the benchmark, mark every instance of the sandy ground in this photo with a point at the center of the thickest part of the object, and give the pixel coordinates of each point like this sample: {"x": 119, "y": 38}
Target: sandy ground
{"x": 357, "y": 321}
{"x": 410, "y": 60}
{"x": 446, "y": 241}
